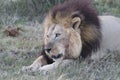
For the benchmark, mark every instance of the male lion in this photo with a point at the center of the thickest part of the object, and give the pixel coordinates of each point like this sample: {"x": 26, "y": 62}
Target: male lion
{"x": 73, "y": 30}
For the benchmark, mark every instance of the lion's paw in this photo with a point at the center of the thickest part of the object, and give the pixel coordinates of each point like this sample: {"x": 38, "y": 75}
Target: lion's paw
{"x": 44, "y": 71}
{"x": 28, "y": 69}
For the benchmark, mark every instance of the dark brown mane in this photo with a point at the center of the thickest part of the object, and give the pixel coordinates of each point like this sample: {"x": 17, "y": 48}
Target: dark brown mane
{"x": 86, "y": 12}
{"x": 82, "y": 7}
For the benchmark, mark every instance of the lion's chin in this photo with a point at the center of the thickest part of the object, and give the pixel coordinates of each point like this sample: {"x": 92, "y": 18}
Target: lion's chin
{"x": 57, "y": 60}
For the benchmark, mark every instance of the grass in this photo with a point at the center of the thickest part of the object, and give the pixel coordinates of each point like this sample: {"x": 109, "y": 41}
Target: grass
{"x": 16, "y": 52}
{"x": 107, "y": 7}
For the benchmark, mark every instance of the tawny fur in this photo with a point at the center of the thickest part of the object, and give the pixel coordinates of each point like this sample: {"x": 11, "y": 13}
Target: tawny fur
{"x": 89, "y": 28}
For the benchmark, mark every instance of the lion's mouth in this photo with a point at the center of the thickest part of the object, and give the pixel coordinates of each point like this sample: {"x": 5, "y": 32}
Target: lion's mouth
{"x": 57, "y": 56}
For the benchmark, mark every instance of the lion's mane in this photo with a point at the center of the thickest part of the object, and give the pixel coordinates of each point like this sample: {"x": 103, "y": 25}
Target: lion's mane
{"x": 90, "y": 26}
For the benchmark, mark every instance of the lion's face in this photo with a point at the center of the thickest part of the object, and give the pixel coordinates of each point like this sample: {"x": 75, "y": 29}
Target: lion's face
{"x": 56, "y": 41}
{"x": 61, "y": 41}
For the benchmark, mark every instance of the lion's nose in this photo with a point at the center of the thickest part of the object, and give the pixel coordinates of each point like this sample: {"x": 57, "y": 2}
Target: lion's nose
{"x": 48, "y": 50}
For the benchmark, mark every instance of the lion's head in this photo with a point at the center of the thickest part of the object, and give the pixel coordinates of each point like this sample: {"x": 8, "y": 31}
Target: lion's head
{"x": 72, "y": 29}
{"x": 60, "y": 42}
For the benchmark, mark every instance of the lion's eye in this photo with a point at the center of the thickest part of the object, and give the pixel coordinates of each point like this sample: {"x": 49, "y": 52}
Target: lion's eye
{"x": 57, "y": 35}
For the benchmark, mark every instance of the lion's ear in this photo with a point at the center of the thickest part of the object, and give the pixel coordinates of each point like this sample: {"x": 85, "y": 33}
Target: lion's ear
{"x": 76, "y": 21}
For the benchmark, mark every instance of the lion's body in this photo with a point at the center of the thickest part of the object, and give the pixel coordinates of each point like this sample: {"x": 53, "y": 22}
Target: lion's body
{"x": 110, "y": 36}
{"x": 74, "y": 30}
{"x": 110, "y": 31}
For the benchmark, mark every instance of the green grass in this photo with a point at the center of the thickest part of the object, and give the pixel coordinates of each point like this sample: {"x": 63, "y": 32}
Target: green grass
{"x": 18, "y": 51}
{"x": 36, "y": 10}
{"x": 107, "y": 7}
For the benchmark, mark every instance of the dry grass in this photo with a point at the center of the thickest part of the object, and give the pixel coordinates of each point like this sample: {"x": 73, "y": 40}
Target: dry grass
{"x": 22, "y": 50}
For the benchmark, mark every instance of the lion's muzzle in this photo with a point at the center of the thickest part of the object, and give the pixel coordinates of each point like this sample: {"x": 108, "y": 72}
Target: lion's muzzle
{"x": 57, "y": 56}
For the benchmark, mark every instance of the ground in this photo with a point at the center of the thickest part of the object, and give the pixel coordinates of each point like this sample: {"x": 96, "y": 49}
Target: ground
{"x": 16, "y": 52}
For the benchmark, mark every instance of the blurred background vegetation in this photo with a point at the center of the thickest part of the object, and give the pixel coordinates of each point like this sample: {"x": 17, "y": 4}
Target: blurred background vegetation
{"x": 13, "y": 11}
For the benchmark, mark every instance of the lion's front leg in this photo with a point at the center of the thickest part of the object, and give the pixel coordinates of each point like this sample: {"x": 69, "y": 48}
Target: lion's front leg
{"x": 55, "y": 65}
{"x": 39, "y": 62}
